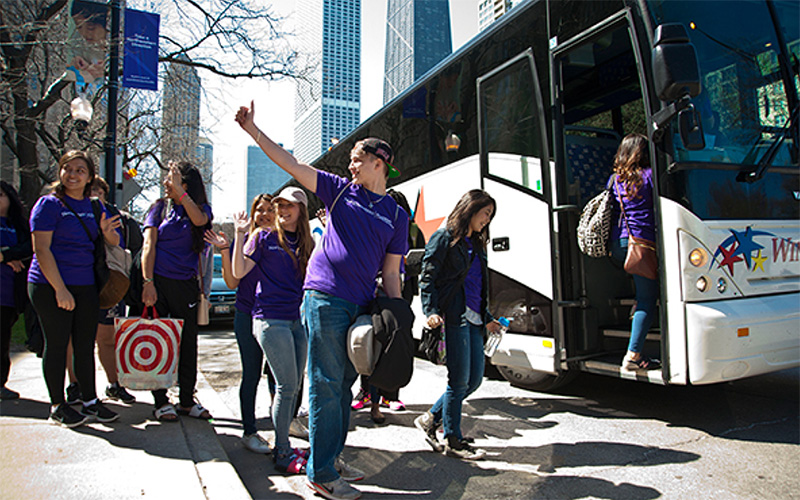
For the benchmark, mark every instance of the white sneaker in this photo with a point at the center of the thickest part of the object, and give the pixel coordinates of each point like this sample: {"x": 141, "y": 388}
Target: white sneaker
{"x": 347, "y": 472}
{"x": 298, "y": 430}
{"x": 336, "y": 490}
{"x": 256, "y": 443}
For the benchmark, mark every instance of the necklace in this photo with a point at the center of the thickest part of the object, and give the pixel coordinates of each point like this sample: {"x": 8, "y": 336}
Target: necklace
{"x": 291, "y": 241}
{"x": 369, "y": 200}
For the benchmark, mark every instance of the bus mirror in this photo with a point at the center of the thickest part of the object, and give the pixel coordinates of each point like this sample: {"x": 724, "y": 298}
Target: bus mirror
{"x": 675, "y": 69}
{"x": 691, "y": 129}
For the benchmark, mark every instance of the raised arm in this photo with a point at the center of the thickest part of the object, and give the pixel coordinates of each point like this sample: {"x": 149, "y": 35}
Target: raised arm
{"x": 304, "y": 173}
{"x": 241, "y": 266}
{"x": 196, "y": 214}
{"x": 220, "y": 241}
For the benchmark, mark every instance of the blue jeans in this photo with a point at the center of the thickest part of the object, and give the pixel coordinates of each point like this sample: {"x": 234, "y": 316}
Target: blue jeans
{"x": 285, "y": 345}
{"x": 252, "y": 363}
{"x": 465, "y": 363}
{"x": 331, "y": 376}
{"x": 647, "y": 292}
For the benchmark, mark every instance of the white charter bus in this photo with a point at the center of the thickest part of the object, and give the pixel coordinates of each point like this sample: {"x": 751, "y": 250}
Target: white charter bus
{"x": 533, "y": 109}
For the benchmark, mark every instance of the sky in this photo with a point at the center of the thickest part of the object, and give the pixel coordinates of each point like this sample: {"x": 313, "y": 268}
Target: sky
{"x": 274, "y": 101}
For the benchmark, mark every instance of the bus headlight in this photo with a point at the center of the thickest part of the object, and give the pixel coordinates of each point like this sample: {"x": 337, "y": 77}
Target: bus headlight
{"x": 701, "y": 284}
{"x": 698, "y": 257}
{"x": 722, "y": 285}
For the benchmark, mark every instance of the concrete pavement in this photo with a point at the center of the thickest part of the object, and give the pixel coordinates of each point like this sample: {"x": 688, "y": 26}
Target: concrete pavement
{"x": 133, "y": 457}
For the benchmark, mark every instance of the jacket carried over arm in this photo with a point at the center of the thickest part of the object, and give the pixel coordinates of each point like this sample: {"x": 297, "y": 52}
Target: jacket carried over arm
{"x": 444, "y": 269}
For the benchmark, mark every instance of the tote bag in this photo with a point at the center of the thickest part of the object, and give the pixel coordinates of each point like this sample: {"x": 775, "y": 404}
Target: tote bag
{"x": 147, "y": 351}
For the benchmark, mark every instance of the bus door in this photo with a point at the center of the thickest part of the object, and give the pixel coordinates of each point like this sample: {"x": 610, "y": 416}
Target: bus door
{"x": 598, "y": 99}
{"x": 516, "y": 172}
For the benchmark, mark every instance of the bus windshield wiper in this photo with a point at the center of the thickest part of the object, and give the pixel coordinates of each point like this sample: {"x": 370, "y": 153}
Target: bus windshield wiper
{"x": 766, "y": 160}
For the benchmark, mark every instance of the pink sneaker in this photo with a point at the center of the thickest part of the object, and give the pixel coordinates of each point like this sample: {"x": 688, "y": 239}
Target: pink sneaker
{"x": 361, "y": 401}
{"x": 397, "y": 405}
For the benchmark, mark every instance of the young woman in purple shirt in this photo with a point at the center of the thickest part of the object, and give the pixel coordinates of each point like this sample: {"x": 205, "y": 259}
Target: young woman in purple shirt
{"x": 173, "y": 239}
{"x": 366, "y": 233}
{"x": 633, "y": 187}
{"x": 61, "y": 284}
{"x": 279, "y": 258}
{"x": 454, "y": 290}
{"x": 15, "y": 249}
{"x": 262, "y": 218}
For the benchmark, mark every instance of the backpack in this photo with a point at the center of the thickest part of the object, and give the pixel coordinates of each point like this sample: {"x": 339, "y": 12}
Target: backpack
{"x": 594, "y": 225}
{"x": 392, "y": 320}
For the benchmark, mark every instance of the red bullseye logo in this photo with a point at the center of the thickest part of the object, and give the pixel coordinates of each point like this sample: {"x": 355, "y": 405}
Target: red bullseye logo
{"x": 147, "y": 346}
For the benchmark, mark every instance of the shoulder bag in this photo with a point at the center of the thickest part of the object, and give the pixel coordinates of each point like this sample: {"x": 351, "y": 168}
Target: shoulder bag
{"x": 594, "y": 225}
{"x": 102, "y": 275}
{"x": 641, "y": 259}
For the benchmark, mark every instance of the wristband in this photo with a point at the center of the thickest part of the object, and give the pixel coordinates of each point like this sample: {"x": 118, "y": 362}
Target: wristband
{"x": 258, "y": 137}
{"x": 183, "y": 196}
{"x": 224, "y": 248}
{"x": 147, "y": 280}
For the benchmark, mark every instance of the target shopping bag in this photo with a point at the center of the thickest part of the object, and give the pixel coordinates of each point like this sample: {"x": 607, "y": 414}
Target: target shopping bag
{"x": 147, "y": 351}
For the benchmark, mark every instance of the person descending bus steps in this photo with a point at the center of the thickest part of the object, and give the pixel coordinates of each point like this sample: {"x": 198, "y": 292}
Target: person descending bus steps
{"x": 15, "y": 252}
{"x": 633, "y": 187}
{"x": 454, "y": 291}
{"x": 173, "y": 239}
{"x": 61, "y": 284}
{"x": 366, "y": 233}
{"x": 262, "y": 217}
{"x": 279, "y": 257}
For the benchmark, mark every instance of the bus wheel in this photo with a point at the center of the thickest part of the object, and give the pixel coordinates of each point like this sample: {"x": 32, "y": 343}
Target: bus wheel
{"x": 535, "y": 380}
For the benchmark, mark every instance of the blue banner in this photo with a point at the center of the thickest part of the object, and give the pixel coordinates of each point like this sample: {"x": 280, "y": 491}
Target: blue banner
{"x": 140, "y": 66}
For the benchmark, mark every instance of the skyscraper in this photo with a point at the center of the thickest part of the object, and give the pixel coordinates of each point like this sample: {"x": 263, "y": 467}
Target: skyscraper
{"x": 263, "y": 175}
{"x": 328, "y": 105}
{"x": 490, "y": 11}
{"x": 205, "y": 163}
{"x": 180, "y": 114}
{"x": 417, "y": 38}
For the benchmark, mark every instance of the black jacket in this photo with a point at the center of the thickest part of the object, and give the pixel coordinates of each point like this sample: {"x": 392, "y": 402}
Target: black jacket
{"x": 22, "y": 251}
{"x": 444, "y": 269}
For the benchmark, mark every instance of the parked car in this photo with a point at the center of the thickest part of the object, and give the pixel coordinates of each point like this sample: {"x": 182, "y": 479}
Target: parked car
{"x": 222, "y": 298}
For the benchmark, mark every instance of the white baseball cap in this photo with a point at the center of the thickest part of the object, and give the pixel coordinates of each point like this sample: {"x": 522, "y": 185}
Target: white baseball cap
{"x": 292, "y": 195}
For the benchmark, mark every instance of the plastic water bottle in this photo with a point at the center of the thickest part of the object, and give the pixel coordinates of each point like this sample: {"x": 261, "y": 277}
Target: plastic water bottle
{"x": 494, "y": 338}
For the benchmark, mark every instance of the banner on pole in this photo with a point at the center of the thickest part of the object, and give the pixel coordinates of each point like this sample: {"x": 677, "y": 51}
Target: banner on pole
{"x": 140, "y": 64}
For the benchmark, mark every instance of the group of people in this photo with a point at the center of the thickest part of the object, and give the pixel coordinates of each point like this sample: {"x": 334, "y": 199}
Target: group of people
{"x": 294, "y": 302}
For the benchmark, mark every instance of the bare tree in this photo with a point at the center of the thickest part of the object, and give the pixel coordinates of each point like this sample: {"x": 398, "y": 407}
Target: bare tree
{"x": 229, "y": 38}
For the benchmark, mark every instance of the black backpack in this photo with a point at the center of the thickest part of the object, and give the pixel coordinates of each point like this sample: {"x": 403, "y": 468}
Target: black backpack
{"x": 392, "y": 320}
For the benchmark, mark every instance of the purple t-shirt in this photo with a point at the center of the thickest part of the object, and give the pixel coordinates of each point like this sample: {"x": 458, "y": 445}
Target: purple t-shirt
{"x": 175, "y": 258}
{"x": 8, "y": 238}
{"x": 279, "y": 289}
{"x": 474, "y": 281}
{"x": 639, "y": 211}
{"x": 362, "y": 228}
{"x": 72, "y": 248}
{"x": 246, "y": 291}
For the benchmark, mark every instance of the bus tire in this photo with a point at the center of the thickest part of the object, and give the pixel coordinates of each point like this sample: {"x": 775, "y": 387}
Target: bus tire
{"x": 535, "y": 380}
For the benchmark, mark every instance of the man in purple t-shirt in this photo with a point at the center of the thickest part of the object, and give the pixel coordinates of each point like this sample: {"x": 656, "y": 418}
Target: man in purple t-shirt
{"x": 366, "y": 233}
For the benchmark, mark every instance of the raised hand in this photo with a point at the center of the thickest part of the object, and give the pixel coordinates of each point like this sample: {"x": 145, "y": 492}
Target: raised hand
{"x": 244, "y": 117}
{"x": 219, "y": 240}
{"x": 241, "y": 222}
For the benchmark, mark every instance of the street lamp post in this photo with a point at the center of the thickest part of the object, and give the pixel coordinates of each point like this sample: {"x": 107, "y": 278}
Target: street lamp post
{"x": 110, "y": 142}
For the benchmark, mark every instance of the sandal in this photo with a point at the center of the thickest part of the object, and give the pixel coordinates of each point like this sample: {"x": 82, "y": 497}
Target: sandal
{"x": 290, "y": 464}
{"x": 166, "y": 413}
{"x": 196, "y": 411}
{"x": 304, "y": 454}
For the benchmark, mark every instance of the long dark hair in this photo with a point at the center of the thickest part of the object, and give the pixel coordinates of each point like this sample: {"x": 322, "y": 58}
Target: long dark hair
{"x": 197, "y": 191}
{"x": 471, "y": 203}
{"x": 631, "y": 158}
{"x": 58, "y": 189}
{"x": 17, "y": 215}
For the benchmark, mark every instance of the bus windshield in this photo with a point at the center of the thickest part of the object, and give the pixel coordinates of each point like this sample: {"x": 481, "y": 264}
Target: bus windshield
{"x": 749, "y": 115}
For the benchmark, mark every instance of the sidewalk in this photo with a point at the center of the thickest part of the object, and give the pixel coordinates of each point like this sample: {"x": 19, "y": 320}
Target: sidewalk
{"x": 134, "y": 457}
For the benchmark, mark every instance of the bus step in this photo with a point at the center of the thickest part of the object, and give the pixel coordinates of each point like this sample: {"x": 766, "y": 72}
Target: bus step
{"x": 625, "y": 333}
{"x": 614, "y": 370}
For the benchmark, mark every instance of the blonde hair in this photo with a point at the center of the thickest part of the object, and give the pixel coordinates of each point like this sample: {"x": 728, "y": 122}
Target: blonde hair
{"x": 305, "y": 243}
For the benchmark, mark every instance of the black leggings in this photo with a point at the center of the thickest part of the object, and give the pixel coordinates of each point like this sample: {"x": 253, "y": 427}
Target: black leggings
{"x": 8, "y": 316}
{"x": 179, "y": 299}
{"x": 59, "y": 325}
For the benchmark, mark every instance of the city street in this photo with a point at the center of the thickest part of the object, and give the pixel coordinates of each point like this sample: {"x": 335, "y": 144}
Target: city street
{"x": 598, "y": 438}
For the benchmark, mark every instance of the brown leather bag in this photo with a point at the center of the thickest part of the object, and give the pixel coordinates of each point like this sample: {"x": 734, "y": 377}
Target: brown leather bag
{"x": 641, "y": 259}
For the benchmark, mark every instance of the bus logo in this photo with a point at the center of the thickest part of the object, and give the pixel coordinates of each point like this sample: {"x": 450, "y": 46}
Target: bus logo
{"x": 742, "y": 247}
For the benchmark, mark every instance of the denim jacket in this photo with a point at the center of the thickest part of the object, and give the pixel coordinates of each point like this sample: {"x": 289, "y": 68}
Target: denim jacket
{"x": 444, "y": 269}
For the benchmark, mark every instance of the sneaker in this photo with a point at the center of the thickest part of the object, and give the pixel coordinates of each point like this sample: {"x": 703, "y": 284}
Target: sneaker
{"x": 462, "y": 449}
{"x": 347, "y": 472}
{"x": 66, "y": 416}
{"x": 426, "y": 424}
{"x": 302, "y": 412}
{"x": 298, "y": 430}
{"x": 6, "y": 394}
{"x": 335, "y": 490}
{"x": 643, "y": 363}
{"x": 362, "y": 400}
{"x": 396, "y": 405}
{"x": 118, "y": 393}
{"x": 255, "y": 443}
{"x": 290, "y": 463}
{"x": 97, "y": 411}
{"x": 74, "y": 394}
